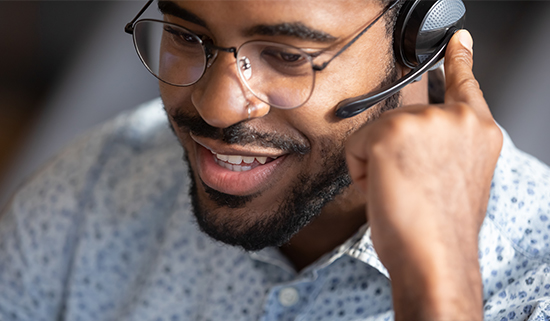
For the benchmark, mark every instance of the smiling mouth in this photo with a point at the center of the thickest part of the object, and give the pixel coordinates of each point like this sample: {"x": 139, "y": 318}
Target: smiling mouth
{"x": 239, "y": 175}
{"x": 238, "y": 163}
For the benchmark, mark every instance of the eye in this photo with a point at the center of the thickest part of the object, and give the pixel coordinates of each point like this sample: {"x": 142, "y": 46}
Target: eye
{"x": 283, "y": 56}
{"x": 182, "y": 35}
{"x": 290, "y": 57}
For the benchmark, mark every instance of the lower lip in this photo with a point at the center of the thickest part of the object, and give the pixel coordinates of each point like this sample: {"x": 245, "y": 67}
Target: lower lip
{"x": 236, "y": 183}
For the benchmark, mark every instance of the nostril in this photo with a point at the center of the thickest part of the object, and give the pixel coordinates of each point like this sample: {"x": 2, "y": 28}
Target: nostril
{"x": 248, "y": 109}
{"x": 255, "y": 108}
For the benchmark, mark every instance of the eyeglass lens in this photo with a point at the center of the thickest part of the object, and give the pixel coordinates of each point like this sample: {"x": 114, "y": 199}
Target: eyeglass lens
{"x": 171, "y": 53}
{"x": 279, "y": 75}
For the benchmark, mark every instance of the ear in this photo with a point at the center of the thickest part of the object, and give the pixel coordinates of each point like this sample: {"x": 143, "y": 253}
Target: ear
{"x": 402, "y": 70}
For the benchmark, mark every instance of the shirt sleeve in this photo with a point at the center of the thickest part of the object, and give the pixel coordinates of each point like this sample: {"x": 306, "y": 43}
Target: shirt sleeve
{"x": 39, "y": 232}
{"x": 526, "y": 298}
{"x": 541, "y": 311}
{"x": 44, "y": 229}
{"x": 34, "y": 261}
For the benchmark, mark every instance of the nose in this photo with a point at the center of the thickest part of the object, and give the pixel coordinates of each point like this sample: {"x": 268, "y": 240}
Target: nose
{"x": 222, "y": 99}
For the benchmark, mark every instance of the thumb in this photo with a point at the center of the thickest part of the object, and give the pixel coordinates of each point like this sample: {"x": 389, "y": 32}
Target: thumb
{"x": 460, "y": 83}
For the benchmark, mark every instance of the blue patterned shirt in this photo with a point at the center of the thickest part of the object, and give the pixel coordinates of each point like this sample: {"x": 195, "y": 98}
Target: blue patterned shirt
{"x": 105, "y": 232}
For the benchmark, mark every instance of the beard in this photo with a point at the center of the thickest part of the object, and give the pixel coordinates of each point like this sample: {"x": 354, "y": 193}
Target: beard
{"x": 302, "y": 202}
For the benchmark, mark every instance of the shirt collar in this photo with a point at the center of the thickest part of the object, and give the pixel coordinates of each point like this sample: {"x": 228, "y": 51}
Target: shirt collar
{"x": 363, "y": 250}
{"x": 359, "y": 246}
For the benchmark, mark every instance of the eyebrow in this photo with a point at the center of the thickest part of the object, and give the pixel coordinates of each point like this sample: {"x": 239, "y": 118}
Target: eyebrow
{"x": 172, "y": 9}
{"x": 288, "y": 29}
{"x": 291, "y": 29}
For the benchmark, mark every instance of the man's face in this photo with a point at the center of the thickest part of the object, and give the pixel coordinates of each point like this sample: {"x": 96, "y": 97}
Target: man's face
{"x": 284, "y": 166}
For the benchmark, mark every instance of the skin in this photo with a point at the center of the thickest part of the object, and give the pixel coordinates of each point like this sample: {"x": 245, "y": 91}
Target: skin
{"x": 220, "y": 99}
{"x": 417, "y": 170}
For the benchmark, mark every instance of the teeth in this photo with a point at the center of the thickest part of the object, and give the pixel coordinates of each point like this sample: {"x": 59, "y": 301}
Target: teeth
{"x": 248, "y": 160}
{"x": 222, "y": 157}
{"x": 234, "y": 168}
{"x": 228, "y": 166}
{"x": 237, "y": 159}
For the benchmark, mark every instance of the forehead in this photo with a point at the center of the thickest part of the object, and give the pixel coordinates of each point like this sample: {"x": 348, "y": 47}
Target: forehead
{"x": 336, "y": 17}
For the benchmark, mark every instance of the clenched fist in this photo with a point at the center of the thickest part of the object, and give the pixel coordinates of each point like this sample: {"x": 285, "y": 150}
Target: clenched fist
{"x": 426, "y": 172}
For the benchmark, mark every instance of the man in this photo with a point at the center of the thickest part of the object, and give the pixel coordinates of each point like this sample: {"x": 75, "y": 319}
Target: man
{"x": 107, "y": 231}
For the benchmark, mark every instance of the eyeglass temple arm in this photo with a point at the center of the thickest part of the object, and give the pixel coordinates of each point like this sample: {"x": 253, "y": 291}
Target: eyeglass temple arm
{"x": 325, "y": 64}
{"x": 129, "y": 28}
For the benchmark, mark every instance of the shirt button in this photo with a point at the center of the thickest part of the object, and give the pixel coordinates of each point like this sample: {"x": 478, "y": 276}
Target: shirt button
{"x": 289, "y": 297}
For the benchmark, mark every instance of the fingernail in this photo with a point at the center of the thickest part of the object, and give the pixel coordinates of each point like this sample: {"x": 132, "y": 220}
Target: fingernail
{"x": 466, "y": 39}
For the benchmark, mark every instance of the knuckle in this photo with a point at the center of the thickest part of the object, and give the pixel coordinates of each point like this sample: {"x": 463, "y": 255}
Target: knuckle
{"x": 465, "y": 113}
{"x": 393, "y": 134}
{"x": 469, "y": 84}
{"x": 491, "y": 140}
{"x": 433, "y": 113}
{"x": 462, "y": 56}
{"x": 464, "y": 85}
{"x": 495, "y": 136}
{"x": 463, "y": 89}
{"x": 400, "y": 126}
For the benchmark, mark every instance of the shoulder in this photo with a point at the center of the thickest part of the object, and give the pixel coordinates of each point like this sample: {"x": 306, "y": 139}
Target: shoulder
{"x": 98, "y": 213}
{"x": 135, "y": 141}
{"x": 131, "y": 161}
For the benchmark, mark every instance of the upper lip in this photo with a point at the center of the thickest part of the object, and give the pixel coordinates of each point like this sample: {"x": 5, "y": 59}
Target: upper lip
{"x": 215, "y": 147}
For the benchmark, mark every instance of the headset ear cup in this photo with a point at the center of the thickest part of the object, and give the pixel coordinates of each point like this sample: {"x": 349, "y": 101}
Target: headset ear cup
{"x": 421, "y": 26}
{"x": 399, "y": 46}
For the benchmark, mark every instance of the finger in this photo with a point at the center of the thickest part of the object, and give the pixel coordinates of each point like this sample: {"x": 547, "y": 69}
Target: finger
{"x": 460, "y": 83}
{"x": 357, "y": 157}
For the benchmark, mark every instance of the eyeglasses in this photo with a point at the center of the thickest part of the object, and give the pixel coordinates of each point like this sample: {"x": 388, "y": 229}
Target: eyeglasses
{"x": 280, "y": 75}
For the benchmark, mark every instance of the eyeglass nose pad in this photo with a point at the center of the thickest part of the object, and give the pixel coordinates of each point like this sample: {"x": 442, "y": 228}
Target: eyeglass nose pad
{"x": 211, "y": 58}
{"x": 246, "y": 67}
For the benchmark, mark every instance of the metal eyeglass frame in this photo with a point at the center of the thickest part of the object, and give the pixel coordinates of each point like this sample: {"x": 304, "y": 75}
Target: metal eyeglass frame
{"x": 208, "y": 45}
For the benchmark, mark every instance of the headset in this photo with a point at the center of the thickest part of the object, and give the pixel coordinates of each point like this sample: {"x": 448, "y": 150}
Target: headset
{"x": 422, "y": 31}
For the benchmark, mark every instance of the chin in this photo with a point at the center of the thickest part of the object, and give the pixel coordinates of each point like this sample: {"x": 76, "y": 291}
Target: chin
{"x": 247, "y": 222}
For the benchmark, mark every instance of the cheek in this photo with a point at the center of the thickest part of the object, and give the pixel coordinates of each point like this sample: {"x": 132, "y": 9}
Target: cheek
{"x": 175, "y": 97}
{"x": 356, "y": 72}
{"x": 352, "y": 79}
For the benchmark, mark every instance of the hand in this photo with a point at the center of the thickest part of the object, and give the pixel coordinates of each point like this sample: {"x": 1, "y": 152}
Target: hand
{"x": 426, "y": 172}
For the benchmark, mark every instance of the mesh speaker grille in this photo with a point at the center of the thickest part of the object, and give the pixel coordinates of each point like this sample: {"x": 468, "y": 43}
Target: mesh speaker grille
{"x": 444, "y": 13}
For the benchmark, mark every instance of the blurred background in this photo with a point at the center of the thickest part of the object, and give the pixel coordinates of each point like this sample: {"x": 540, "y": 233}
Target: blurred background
{"x": 66, "y": 66}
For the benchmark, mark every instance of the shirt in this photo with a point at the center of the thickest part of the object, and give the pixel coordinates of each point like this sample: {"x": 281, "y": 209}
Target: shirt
{"x": 105, "y": 231}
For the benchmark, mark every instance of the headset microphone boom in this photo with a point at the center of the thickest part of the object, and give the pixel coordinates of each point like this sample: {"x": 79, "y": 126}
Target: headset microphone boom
{"x": 422, "y": 31}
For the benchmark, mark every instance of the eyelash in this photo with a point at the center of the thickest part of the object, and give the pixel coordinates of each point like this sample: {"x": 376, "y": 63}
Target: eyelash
{"x": 207, "y": 39}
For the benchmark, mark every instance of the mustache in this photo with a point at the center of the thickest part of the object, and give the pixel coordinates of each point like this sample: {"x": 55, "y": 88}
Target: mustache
{"x": 238, "y": 134}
